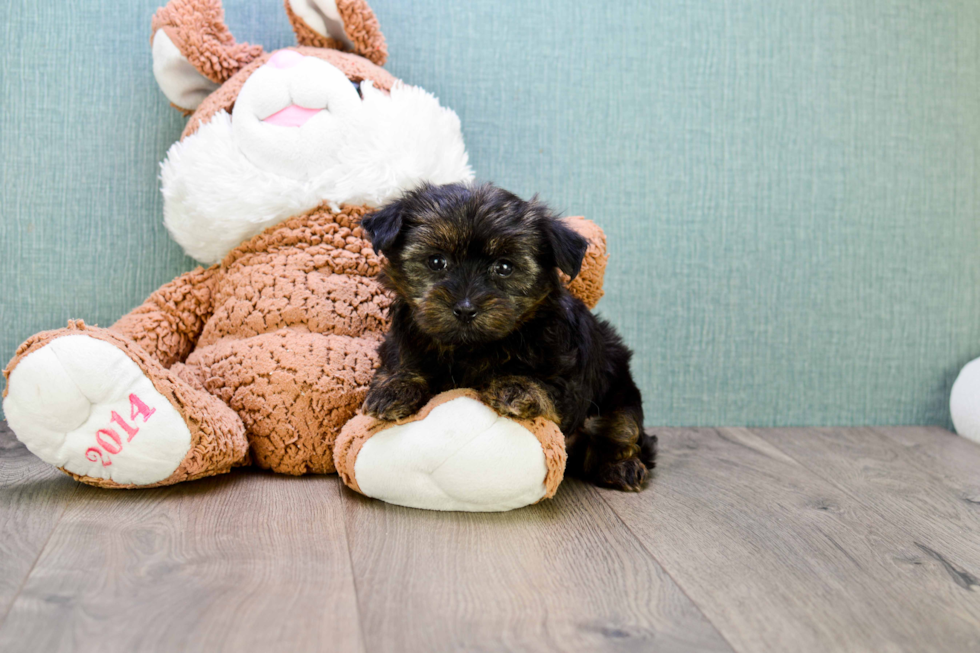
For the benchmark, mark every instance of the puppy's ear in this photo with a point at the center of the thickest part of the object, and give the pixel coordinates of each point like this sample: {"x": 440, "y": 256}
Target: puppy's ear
{"x": 384, "y": 226}
{"x": 567, "y": 246}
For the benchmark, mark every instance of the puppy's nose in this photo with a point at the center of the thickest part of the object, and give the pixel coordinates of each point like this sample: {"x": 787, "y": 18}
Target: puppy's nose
{"x": 464, "y": 310}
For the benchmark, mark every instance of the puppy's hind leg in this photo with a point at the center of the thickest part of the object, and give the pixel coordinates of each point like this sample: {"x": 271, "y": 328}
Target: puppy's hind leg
{"x": 617, "y": 453}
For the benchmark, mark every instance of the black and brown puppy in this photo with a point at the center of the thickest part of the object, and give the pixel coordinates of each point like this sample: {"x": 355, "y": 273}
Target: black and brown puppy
{"x": 479, "y": 304}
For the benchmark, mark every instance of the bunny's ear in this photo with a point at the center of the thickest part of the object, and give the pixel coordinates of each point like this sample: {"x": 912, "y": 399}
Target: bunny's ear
{"x": 338, "y": 24}
{"x": 193, "y": 51}
{"x": 178, "y": 79}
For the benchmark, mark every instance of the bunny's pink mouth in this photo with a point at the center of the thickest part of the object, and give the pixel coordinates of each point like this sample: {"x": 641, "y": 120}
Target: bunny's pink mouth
{"x": 291, "y": 116}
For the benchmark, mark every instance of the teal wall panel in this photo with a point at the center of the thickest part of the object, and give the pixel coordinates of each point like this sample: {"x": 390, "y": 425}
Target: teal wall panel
{"x": 789, "y": 188}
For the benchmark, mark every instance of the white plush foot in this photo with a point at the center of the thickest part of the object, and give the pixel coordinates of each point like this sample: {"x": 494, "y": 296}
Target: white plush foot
{"x": 83, "y": 405}
{"x": 462, "y": 456}
{"x": 964, "y": 401}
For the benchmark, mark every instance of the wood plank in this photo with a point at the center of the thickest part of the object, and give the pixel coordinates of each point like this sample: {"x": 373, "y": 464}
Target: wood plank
{"x": 915, "y": 492}
{"x": 564, "y": 575}
{"x": 943, "y": 453}
{"x": 243, "y": 562}
{"x": 33, "y": 496}
{"x": 780, "y": 559}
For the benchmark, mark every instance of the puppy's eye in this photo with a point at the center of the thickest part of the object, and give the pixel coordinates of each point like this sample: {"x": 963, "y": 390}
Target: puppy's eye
{"x": 503, "y": 268}
{"x": 437, "y": 262}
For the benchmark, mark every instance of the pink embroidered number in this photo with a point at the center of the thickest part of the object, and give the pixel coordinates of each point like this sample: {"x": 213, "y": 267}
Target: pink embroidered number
{"x": 108, "y": 439}
{"x": 94, "y": 455}
{"x": 113, "y": 445}
{"x": 137, "y": 407}
{"x": 130, "y": 430}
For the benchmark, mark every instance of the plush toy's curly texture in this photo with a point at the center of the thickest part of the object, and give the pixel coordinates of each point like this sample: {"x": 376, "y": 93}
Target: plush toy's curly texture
{"x": 360, "y": 25}
{"x": 197, "y": 28}
{"x": 168, "y": 324}
{"x": 306, "y": 35}
{"x": 362, "y": 29}
{"x": 292, "y": 390}
{"x": 288, "y": 343}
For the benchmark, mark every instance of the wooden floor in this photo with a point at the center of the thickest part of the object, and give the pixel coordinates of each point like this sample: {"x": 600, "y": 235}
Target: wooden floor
{"x": 863, "y": 539}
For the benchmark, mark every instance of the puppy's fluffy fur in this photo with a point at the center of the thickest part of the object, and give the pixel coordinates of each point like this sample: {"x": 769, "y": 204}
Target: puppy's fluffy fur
{"x": 479, "y": 303}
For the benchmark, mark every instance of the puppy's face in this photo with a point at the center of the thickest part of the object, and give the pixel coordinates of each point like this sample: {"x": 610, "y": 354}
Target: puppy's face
{"x": 472, "y": 262}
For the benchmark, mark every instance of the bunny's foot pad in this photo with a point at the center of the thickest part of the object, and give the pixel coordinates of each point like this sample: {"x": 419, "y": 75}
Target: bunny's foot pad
{"x": 456, "y": 454}
{"x": 83, "y": 405}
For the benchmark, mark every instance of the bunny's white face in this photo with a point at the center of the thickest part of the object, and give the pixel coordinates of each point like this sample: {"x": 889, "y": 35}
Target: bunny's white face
{"x": 302, "y": 134}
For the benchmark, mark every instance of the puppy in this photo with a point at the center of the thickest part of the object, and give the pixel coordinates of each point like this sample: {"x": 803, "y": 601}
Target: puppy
{"x": 479, "y": 304}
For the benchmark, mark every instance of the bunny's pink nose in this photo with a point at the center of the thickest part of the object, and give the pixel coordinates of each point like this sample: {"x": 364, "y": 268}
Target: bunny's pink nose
{"x": 285, "y": 59}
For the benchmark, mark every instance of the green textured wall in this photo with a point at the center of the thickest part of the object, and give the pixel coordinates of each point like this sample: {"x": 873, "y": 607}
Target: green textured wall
{"x": 788, "y": 187}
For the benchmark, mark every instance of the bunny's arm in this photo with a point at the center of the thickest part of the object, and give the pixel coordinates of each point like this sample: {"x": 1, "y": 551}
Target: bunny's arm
{"x": 168, "y": 324}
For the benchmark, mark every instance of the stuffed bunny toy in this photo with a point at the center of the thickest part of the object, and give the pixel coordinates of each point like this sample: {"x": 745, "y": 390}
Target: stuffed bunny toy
{"x": 264, "y": 358}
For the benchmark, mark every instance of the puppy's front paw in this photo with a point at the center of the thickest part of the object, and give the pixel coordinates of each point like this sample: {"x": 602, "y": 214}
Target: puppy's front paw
{"x": 395, "y": 397}
{"x": 624, "y": 475}
{"x": 520, "y": 397}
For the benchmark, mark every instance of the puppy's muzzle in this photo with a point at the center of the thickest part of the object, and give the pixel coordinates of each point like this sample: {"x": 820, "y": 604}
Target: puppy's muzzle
{"x": 465, "y": 311}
